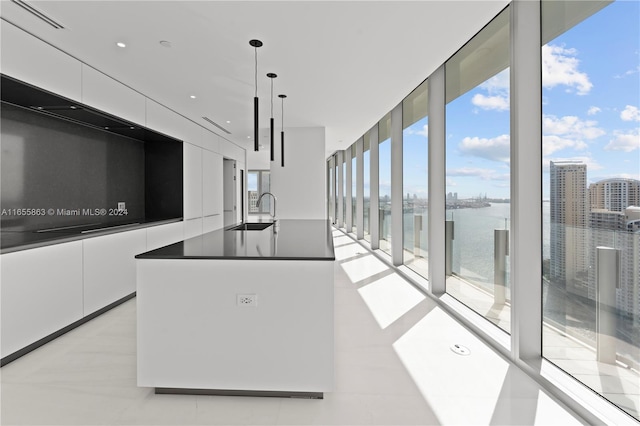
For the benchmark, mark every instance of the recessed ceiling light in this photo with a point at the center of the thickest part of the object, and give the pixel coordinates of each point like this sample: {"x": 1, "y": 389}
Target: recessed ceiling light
{"x": 165, "y": 43}
{"x": 248, "y": 137}
{"x": 192, "y": 96}
{"x": 228, "y": 122}
{"x": 121, "y": 44}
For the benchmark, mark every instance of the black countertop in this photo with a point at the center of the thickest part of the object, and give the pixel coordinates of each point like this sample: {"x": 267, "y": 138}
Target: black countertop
{"x": 16, "y": 240}
{"x": 289, "y": 240}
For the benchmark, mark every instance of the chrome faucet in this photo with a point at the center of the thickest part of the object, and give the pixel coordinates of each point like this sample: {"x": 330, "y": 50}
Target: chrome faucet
{"x": 274, "y": 203}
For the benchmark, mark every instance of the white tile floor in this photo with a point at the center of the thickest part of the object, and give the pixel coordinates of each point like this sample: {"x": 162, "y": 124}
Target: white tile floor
{"x": 394, "y": 366}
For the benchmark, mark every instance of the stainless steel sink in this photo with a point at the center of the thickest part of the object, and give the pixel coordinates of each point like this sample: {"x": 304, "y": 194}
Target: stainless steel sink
{"x": 251, "y": 227}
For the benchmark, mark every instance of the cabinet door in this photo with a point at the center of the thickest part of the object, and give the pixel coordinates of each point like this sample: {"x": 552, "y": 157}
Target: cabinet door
{"x": 108, "y": 95}
{"x": 211, "y": 223}
{"x": 41, "y": 293}
{"x": 192, "y": 181}
{"x": 33, "y": 61}
{"x": 110, "y": 268}
{"x": 211, "y": 183}
{"x": 163, "y": 120}
{"x": 192, "y": 228}
{"x": 163, "y": 235}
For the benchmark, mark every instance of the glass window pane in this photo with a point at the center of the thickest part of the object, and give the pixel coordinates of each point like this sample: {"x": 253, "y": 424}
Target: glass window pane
{"x": 384, "y": 183}
{"x": 591, "y": 195}
{"x": 477, "y": 172}
{"x": 354, "y": 188}
{"x": 366, "y": 158}
{"x": 257, "y": 184}
{"x": 414, "y": 180}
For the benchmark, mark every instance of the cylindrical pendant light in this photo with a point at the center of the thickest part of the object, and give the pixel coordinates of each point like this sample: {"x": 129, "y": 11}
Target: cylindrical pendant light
{"x": 282, "y": 133}
{"x": 271, "y": 76}
{"x": 255, "y": 44}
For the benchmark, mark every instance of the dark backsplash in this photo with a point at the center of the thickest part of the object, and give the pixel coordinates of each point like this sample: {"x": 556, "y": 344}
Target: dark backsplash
{"x": 71, "y": 174}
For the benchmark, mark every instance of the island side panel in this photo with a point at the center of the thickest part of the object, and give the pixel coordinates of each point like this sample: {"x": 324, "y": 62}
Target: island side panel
{"x": 193, "y": 334}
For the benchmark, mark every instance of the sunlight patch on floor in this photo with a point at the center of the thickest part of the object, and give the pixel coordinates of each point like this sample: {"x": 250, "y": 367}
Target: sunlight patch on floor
{"x": 363, "y": 267}
{"x": 389, "y": 298}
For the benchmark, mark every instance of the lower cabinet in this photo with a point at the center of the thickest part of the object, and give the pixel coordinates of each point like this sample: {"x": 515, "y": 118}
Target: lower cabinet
{"x": 110, "y": 268}
{"x": 211, "y": 223}
{"x": 192, "y": 228}
{"x": 163, "y": 235}
{"x": 41, "y": 293}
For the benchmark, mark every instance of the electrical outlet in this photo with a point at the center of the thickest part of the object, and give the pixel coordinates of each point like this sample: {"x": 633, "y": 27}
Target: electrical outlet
{"x": 247, "y": 300}
{"x": 121, "y": 205}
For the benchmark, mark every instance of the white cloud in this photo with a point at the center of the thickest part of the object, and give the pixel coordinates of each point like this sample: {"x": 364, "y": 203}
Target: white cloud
{"x": 499, "y": 83}
{"x": 500, "y": 103}
{"x": 497, "y": 88}
{"x": 560, "y": 67}
{"x": 422, "y": 132}
{"x": 628, "y": 73}
{"x": 484, "y": 174}
{"x": 495, "y": 149}
{"x": 630, "y": 113}
{"x": 553, "y": 143}
{"x": 567, "y": 132}
{"x": 626, "y": 142}
{"x": 593, "y": 110}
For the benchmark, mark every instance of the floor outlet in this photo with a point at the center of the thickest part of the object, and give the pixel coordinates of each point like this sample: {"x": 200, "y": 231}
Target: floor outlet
{"x": 247, "y": 300}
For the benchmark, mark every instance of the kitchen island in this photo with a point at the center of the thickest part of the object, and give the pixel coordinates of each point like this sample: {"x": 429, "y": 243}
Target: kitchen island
{"x": 239, "y": 312}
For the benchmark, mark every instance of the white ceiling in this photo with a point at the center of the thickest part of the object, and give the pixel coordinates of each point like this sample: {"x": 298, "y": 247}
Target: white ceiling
{"x": 342, "y": 64}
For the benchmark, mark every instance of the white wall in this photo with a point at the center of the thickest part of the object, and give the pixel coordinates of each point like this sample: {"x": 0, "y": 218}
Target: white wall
{"x": 300, "y": 184}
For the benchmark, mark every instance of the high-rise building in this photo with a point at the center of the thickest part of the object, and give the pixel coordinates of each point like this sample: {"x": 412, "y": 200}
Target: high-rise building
{"x": 614, "y": 194}
{"x": 614, "y": 222}
{"x": 568, "y": 204}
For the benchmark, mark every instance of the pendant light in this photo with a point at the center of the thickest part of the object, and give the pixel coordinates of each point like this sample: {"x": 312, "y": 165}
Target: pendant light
{"x": 255, "y": 44}
{"x": 271, "y": 76}
{"x": 282, "y": 133}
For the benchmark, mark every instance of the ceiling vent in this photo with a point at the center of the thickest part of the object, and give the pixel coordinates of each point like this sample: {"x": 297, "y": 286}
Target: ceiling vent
{"x": 35, "y": 12}
{"x": 208, "y": 120}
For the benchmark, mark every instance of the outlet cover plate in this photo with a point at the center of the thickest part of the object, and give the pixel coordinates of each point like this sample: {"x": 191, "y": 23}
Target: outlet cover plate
{"x": 247, "y": 300}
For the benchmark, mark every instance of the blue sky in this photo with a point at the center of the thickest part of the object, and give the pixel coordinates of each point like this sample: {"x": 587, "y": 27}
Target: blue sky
{"x": 591, "y": 96}
{"x": 591, "y": 91}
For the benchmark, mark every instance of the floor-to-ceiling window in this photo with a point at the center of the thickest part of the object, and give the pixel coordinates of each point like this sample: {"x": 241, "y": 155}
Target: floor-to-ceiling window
{"x": 344, "y": 187}
{"x": 366, "y": 159}
{"x": 591, "y": 195}
{"x": 258, "y": 182}
{"x": 477, "y": 172}
{"x": 354, "y": 188}
{"x": 384, "y": 182}
{"x": 414, "y": 180}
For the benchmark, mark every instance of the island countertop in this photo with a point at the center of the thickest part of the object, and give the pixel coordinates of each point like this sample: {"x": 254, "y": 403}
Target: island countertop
{"x": 288, "y": 239}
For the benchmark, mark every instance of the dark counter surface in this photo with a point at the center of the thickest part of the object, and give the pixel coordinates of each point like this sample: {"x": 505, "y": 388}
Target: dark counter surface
{"x": 13, "y": 240}
{"x": 287, "y": 240}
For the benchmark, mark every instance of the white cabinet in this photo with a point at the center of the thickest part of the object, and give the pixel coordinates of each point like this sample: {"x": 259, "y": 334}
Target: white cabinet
{"x": 36, "y": 62}
{"x": 162, "y": 119}
{"x": 163, "y": 235}
{"x": 192, "y": 228}
{"x": 192, "y": 181}
{"x": 211, "y": 183}
{"x": 41, "y": 293}
{"x": 108, "y": 95}
{"x": 211, "y": 223}
{"x": 110, "y": 268}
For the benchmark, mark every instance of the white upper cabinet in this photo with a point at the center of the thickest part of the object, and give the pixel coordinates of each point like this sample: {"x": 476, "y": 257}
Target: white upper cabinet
{"x": 192, "y": 181}
{"x": 211, "y": 183}
{"x": 35, "y": 62}
{"x": 163, "y": 120}
{"x": 106, "y": 94}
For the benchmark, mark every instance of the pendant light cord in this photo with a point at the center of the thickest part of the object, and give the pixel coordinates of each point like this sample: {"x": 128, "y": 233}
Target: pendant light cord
{"x": 282, "y": 115}
{"x": 272, "y": 98}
